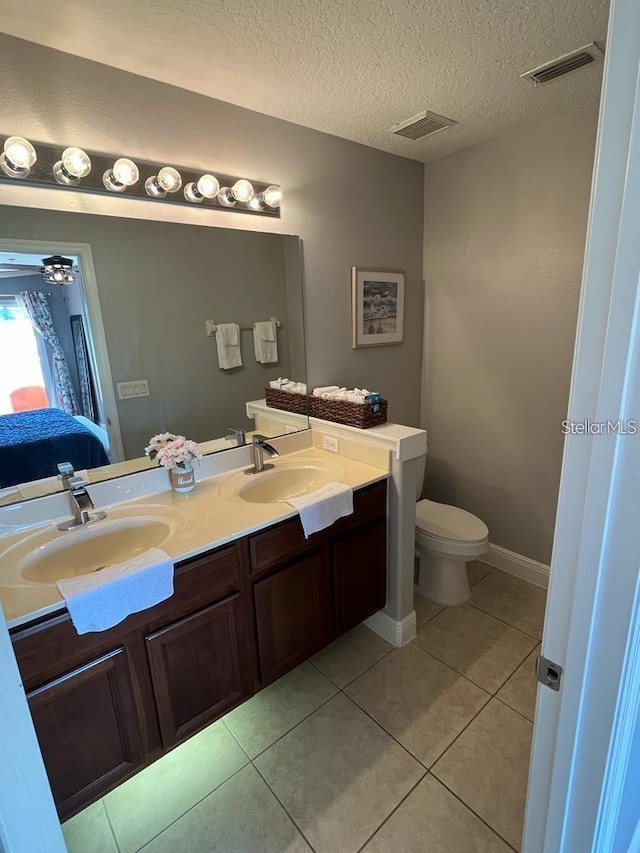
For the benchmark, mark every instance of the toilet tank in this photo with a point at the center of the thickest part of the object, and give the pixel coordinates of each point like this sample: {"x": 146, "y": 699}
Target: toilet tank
{"x": 422, "y": 460}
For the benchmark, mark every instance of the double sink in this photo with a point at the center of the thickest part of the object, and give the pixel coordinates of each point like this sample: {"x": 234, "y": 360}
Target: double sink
{"x": 48, "y": 554}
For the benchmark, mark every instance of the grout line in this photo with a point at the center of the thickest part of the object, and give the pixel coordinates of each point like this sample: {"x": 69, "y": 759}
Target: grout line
{"x": 393, "y": 810}
{"x": 110, "y": 825}
{"x": 282, "y": 806}
{"x": 504, "y": 621}
{"x": 515, "y": 710}
{"x": 375, "y": 663}
{"x": 480, "y": 818}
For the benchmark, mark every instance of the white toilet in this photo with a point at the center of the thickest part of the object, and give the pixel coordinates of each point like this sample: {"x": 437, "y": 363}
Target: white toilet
{"x": 446, "y": 538}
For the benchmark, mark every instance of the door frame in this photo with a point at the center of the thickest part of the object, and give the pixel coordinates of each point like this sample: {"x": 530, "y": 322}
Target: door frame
{"x": 581, "y": 745}
{"x": 95, "y": 332}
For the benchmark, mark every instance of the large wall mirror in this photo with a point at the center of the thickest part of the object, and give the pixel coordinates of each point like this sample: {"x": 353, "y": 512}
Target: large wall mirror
{"x": 136, "y": 313}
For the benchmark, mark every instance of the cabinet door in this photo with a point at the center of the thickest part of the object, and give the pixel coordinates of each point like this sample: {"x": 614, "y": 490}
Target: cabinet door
{"x": 293, "y": 614}
{"x": 360, "y": 574}
{"x": 88, "y": 728}
{"x": 199, "y": 668}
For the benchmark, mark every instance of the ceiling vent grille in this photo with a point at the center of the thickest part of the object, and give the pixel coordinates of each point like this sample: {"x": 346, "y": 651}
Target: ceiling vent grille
{"x": 564, "y": 64}
{"x": 424, "y": 124}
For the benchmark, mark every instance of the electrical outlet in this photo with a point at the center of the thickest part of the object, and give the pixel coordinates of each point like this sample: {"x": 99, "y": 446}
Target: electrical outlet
{"x": 331, "y": 443}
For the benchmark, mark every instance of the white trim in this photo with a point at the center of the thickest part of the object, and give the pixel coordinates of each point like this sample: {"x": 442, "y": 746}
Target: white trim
{"x": 517, "y": 565}
{"x": 398, "y": 632}
{"x": 95, "y": 332}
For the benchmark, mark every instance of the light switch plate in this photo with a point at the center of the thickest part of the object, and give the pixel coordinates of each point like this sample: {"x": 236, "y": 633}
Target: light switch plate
{"x": 129, "y": 390}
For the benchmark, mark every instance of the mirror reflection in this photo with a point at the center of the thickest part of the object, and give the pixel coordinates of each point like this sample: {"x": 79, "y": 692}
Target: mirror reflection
{"x": 135, "y": 328}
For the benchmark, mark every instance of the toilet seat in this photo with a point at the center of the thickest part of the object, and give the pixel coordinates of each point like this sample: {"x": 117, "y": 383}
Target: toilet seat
{"x": 449, "y": 523}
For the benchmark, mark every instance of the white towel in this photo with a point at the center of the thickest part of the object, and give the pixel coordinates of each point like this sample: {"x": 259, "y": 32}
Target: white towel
{"x": 321, "y": 508}
{"x": 265, "y": 342}
{"x": 104, "y": 598}
{"x": 228, "y": 344}
{"x": 325, "y": 389}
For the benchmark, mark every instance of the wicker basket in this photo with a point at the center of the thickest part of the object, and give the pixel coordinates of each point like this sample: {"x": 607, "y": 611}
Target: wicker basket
{"x": 360, "y": 415}
{"x": 279, "y": 399}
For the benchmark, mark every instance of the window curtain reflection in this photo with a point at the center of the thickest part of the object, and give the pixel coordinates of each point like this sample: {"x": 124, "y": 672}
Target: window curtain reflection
{"x": 37, "y": 308}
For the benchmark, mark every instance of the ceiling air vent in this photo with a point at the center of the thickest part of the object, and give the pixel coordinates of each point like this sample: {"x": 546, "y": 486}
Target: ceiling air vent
{"x": 424, "y": 124}
{"x": 564, "y": 64}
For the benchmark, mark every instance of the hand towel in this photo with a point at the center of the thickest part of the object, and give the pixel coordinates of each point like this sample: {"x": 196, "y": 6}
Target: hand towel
{"x": 321, "y": 508}
{"x": 104, "y": 598}
{"x": 326, "y": 389}
{"x": 265, "y": 342}
{"x": 228, "y": 344}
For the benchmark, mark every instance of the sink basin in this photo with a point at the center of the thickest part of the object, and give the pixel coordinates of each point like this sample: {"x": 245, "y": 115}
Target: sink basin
{"x": 49, "y": 555}
{"x": 289, "y": 478}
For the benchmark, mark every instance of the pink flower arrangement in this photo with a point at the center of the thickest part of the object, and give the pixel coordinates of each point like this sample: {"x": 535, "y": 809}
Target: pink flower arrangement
{"x": 172, "y": 451}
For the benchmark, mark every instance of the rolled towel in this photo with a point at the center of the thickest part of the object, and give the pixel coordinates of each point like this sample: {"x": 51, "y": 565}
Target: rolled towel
{"x": 228, "y": 345}
{"x": 323, "y": 507}
{"x": 320, "y": 392}
{"x": 104, "y": 598}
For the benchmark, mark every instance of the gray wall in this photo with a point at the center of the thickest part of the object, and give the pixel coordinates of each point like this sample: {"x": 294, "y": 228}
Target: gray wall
{"x": 352, "y": 205}
{"x": 158, "y": 282}
{"x": 505, "y": 228}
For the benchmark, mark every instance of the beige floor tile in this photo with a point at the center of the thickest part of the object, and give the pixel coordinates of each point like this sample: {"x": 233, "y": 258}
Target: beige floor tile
{"x": 269, "y": 714}
{"x": 241, "y": 816}
{"x": 417, "y": 699}
{"x": 484, "y": 649}
{"x": 143, "y": 806}
{"x": 338, "y": 775}
{"x": 515, "y": 601}
{"x": 349, "y": 656}
{"x": 520, "y": 691}
{"x": 425, "y": 610}
{"x": 432, "y": 820}
{"x": 477, "y": 570}
{"x": 89, "y": 831}
{"x": 487, "y": 768}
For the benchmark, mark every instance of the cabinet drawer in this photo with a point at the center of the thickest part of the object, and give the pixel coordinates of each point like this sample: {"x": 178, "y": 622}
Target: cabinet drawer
{"x": 88, "y": 729}
{"x": 287, "y": 539}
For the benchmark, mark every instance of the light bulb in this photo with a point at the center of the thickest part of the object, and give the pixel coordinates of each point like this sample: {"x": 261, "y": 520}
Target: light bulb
{"x": 18, "y": 157}
{"x": 225, "y": 197}
{"x": 123, "y": 174}
{"x": 272, "y": 196}
{"x": 242, "y": 191}
{"x": 207, "y": 187}
{"x": 169, "y": 179}
{"x": 256, "y": 203}
{"x": 75, "y": 164}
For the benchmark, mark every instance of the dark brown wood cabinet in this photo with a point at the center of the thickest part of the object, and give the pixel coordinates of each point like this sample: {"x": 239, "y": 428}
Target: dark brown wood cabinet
{"x": 199, "y": 668}
{"x": 88, "y": 728}
{"x": 105, "y": 705}
{"x": 293, "y": 614}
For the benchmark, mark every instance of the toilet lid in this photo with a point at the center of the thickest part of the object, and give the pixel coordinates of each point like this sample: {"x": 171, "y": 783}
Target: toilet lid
{"x": 449, "y": 522}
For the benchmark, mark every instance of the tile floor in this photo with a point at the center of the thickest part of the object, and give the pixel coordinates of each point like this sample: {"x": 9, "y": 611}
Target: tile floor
{"x": 369, "y": 748}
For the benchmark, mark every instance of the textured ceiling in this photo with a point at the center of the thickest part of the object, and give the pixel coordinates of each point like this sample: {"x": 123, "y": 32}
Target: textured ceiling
{"x": 347, "y": 67}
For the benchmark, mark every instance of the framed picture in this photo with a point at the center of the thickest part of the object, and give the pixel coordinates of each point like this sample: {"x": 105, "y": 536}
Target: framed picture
{"x": 377, "y": 307}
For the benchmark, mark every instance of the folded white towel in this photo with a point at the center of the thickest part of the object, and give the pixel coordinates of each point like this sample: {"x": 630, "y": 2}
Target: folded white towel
{"x": 104, "y": 598}
{"x": 321, "y": 508}
{"x": 265, "y": 342}
{"x": 326, "y": 389}
{"x": 228, "y": 344}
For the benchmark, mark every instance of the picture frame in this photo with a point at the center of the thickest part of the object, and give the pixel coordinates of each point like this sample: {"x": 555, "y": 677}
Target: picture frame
{"x": 377, "y": 311}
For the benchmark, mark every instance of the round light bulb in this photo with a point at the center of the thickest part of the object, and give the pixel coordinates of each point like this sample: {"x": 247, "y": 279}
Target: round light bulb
{"x": 242, "y": 191}
{"x": 169, "y": 179}
{"x": 208, "y": 186}
{"x": 76, "y": 162}
{"x": 225, "y": 197}
{"x": 256, "y": 203}
{"x": 125, "y": 171}
{"x": 18, "y": 157}
{"x": 272, "y": 196}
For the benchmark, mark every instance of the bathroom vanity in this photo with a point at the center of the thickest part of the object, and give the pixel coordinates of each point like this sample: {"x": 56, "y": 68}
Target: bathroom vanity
{"x": 107, "y": 704}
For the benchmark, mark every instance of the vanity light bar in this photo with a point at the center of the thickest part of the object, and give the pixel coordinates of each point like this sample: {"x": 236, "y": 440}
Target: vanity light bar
{"x": 74, "y": 168}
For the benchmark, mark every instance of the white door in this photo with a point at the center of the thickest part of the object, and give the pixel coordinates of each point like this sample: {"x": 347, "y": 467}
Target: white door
{"x": 583, "y": 733}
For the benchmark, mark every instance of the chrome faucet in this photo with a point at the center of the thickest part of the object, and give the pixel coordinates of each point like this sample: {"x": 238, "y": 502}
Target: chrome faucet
{"x": 81, "y": 505}
{"x": 260, "y": 445}
{"x": 65, "y": 473}
{"x": 237, "y": 434}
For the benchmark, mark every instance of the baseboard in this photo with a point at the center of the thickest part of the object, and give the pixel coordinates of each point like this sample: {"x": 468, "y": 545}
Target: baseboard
{"x": 515, "y": 564}
{"x": 398, "y": 632}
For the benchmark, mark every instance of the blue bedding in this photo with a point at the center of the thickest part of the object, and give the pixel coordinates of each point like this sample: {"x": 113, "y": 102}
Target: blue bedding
{"x": 33, "y": 443}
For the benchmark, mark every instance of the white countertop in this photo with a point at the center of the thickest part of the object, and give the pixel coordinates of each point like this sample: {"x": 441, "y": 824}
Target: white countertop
{"x": 209, "y": 520}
